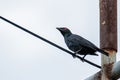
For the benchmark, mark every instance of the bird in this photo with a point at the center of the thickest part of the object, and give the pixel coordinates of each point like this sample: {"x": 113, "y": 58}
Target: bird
{"x": 78, "y": 44}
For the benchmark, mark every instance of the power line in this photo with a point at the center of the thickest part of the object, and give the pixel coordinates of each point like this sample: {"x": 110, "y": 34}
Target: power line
{"x": 51, "y": 43}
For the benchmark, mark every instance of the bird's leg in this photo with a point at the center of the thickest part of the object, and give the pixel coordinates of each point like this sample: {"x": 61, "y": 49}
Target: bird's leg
{"x": 83, "y": 58}
{"x": 76, "y": 52}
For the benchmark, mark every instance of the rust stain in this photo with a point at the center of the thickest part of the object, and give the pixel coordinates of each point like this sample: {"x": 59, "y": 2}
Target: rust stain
{"x": 108, "y": 69}
{"x": 108, "y": 24}
{"x": 111, "y": 52}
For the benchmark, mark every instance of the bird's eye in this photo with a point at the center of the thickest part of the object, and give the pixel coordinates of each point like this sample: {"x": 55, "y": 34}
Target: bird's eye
{"x": 65, "y": 29}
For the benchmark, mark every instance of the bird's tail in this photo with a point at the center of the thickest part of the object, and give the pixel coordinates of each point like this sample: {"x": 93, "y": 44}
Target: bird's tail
{"x": 103, "y": 52}
{"x": 94, "y": 54}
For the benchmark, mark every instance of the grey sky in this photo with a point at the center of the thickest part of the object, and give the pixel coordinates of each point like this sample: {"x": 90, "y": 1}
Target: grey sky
{"x": 24, "y": 57}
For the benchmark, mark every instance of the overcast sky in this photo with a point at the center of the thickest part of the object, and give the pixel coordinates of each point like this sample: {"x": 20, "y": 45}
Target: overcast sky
{"x": 24, "y": 57}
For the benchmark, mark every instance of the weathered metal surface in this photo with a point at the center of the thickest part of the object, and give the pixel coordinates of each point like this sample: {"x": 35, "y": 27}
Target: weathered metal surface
{"x": 115, "y": 74}
{"x": 108, "y": 36}
{"x": 108, "y": 40}
{"x": 107, "y": 64}
{"x": 108, "y": 24}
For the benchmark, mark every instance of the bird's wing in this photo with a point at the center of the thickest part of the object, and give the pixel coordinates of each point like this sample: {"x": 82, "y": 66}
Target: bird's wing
{"x": 78, "y": 40}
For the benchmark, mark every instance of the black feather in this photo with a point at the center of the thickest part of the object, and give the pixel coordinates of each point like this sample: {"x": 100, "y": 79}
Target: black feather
{"x": 79, "y": 44}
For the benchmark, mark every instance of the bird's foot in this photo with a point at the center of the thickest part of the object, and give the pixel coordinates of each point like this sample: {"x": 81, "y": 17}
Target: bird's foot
{"x": 74, "y": 55}
{"x": 82, "y": 59}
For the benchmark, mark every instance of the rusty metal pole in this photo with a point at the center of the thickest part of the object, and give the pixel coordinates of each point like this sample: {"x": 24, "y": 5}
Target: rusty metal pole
{"x": 108, "y": 36}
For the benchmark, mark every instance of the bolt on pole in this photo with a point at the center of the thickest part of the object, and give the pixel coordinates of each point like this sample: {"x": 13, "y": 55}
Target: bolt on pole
{"x": 108, "y": 35}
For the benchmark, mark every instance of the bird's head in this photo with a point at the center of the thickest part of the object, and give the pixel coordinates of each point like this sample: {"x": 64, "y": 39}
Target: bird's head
{"x": 64, "y": 31}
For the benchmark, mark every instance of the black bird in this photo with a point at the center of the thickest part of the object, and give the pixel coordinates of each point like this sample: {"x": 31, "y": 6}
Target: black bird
{"x": 78, "y": 44}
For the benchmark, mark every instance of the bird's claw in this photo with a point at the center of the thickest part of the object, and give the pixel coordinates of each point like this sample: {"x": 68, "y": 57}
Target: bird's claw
{"x": 82, "y": 59}
{"x": 74, "y": 55}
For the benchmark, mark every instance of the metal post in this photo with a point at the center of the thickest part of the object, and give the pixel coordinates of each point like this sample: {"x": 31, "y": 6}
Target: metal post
{"x": 108, "y": 42}
{"x": 108, "y": 36}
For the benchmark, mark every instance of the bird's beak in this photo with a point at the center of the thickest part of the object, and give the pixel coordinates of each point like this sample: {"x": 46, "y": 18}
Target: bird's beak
{"x": 58, "y": 28}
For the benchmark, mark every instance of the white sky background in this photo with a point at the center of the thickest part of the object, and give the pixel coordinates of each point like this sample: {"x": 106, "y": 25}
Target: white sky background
{"x": 24, "y": 57}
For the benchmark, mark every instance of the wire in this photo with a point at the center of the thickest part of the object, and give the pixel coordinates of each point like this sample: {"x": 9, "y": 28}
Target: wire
{"x": 53, "y": 44}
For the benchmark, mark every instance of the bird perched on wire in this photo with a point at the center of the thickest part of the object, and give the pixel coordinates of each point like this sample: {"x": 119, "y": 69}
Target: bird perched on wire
{"x": 78, "y": 44}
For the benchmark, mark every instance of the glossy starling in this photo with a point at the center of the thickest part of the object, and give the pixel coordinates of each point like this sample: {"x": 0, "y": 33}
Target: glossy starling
{"x": 78, "y": 44}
